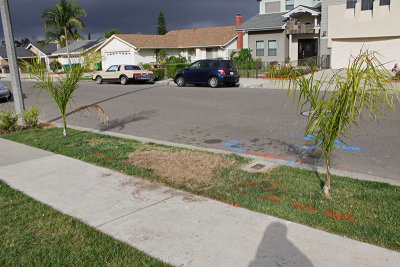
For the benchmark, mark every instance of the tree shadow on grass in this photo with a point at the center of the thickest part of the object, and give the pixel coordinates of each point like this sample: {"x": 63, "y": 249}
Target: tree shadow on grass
{"x": 276, "y": 250}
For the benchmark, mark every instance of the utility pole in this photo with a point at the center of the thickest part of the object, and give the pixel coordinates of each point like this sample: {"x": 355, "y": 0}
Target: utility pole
{"x": 12, "y": 60}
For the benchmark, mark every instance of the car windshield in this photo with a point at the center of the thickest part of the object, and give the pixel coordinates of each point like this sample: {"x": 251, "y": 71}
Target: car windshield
{"x": 3, "y": 86}
{"x": 132, "y": 67}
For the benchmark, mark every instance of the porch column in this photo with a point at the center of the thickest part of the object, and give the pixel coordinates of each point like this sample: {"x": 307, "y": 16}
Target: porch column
{"x": 290, "y": 47}
{"x": 315, "y": 22}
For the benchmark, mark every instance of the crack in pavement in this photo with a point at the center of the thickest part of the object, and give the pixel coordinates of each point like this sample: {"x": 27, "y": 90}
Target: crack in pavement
{"x": 130, "y": 213}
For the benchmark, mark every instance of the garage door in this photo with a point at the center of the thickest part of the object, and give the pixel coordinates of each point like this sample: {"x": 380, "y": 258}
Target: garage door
{"x": 117, "y": 58}
{"x": 343, "y": 50}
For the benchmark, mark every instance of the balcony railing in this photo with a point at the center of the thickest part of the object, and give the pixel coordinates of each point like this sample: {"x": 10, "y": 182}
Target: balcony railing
{"x": 294, "y": 27}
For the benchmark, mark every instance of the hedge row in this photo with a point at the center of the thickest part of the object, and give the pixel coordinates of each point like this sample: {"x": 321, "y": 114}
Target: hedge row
{"x": 172, "y": 69}
{"x": 169, "y": 71}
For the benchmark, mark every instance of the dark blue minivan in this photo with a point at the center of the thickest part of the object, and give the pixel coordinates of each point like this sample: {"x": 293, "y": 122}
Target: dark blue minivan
{"x": 213, "y": 72}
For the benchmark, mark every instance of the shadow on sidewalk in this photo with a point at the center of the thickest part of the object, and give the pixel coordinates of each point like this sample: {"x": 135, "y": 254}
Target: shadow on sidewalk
{"x": 276, "y": 250}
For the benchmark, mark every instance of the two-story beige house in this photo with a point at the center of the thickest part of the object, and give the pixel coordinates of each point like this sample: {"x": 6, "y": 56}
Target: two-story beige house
{"x": 351, "y": 25}
{"x": 283, "y": 30}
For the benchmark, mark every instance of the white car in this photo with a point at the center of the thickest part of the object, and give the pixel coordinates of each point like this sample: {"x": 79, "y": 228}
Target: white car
{"x": 123, "y": 74}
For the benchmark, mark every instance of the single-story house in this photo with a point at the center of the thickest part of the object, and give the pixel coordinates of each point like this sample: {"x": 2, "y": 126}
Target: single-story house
{"x": 43, "y": 51}
{"x": 22, "y": 54}
{"x": 77, "y": 51}
{"x": 193, "y": 44}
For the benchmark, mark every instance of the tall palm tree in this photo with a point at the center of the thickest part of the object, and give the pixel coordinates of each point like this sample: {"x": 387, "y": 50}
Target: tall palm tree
{"x": 62, "y": 20}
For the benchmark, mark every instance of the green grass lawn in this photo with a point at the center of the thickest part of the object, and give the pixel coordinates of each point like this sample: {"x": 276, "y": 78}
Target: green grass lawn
{"x": 362, "y": 210}
{"x": 33, "y": 234}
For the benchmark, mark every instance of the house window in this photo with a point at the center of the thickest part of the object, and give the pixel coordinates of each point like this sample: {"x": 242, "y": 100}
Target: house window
{"x": 384, "y": 3}
{"x": 351, "y": 3}
{"x": 367, "y": 4}
{"x": 259, "y": 48}
{"x": 289, "y": 4}
{"x": 272, "y": 48}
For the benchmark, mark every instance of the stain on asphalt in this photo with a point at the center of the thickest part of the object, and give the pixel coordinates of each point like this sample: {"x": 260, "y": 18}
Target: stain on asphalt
{"x": 213, "y": 141}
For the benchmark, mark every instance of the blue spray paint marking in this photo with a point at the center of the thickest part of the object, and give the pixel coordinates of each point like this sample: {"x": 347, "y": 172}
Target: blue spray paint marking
{"x": 234, "y": 143}
{"x": 284, "y": 162}
{"x": 337, "y": 144}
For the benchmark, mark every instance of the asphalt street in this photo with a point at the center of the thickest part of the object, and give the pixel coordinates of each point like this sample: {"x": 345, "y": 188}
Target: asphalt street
{"x": 245, "y": 120}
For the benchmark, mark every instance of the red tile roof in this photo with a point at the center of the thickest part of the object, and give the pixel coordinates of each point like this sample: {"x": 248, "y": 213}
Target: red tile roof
{"x": 197, "y": 37}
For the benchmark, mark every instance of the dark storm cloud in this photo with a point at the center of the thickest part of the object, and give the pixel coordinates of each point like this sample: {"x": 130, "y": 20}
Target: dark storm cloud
{"x": 133, "y": 16}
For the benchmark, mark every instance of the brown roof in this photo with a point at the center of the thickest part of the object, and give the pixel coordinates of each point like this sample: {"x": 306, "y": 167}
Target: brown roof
{"x": 201, "y": 37}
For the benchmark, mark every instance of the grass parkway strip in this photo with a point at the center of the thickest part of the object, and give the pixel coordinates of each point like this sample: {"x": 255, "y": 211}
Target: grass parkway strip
{"x": 33, "y": 234}
{"x": 362, "y": 210}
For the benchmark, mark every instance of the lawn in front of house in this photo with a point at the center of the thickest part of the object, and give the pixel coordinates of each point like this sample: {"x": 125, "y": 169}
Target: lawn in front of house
{"x": 362, "y": 210}
{"x": 33, "y": 234}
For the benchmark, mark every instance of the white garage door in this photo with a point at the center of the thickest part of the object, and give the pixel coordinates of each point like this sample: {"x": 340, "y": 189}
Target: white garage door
{"x": 118, "y": 58}
{"x": 342, "y": 50}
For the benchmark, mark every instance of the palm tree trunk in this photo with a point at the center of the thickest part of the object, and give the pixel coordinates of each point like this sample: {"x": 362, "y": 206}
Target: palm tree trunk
{"x": 66, "y": 44}
{"x": 327, "y": 186}
{"x": 64, "y": 124}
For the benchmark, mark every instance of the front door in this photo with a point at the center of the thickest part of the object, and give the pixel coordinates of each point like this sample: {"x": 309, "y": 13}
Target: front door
{"x": 308, "y": 48}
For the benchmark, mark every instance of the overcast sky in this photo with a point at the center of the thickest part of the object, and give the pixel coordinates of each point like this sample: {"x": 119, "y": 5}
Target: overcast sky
{"x": 132, "y": 16}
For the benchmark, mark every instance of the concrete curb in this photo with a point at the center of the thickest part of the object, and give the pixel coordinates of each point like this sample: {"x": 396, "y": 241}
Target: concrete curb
{"x": 256, "y": 159}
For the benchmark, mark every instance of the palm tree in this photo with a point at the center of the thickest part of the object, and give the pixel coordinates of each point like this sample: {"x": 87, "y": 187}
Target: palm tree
{"x": 63, "y": 20}
{"x": 360, "y": 89}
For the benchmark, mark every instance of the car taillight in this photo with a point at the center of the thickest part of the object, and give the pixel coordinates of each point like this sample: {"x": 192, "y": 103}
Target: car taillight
{"x": 137, "y": 74}
{"x": 222, "y": 72}
{"x": 150, "y": 73}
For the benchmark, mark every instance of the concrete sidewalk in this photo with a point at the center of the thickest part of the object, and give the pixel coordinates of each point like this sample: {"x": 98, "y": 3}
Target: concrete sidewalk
{"x": 174, "y": 226}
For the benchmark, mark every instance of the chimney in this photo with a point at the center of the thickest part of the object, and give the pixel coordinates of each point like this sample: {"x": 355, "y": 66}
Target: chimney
{"x": 239, "y": 21}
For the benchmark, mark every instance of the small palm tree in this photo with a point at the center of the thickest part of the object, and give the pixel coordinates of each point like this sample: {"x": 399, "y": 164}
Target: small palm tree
{"x": 363, "y": 86}
{"x": 63, "y": 20}
{"x": 62, "y": 89}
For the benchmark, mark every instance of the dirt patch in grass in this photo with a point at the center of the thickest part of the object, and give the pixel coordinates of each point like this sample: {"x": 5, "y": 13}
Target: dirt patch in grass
{"x": 181, "y": 166}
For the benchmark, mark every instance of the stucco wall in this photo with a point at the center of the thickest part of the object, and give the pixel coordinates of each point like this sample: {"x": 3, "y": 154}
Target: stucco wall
{"x": 272, "y": 6}
{"x": 382, "y": 21}
{"x": 282, "y": 44}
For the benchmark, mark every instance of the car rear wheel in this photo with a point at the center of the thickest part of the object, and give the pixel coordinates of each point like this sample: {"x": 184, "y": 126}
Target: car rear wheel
{"x": 99, "y": 80}
{"x": 180, "y": 81}
{"x": 124, "y": 80}
{"x": 213, "y": 82}
{"x": 10, "y": 98}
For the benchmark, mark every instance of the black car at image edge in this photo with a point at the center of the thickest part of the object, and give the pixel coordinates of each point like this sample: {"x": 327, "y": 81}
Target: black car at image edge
{"x": 5, "y": 92}
{"x": 213, "y": 72}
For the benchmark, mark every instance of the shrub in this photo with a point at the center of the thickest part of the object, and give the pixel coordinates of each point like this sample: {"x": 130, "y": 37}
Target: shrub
{"x": 31, "y": 116}
{"x": 159, "y": 74}
{"x": 176, "y": 60}
{"x": 66, "y": 67}
{"x": 8, "y": 119}
{"x": 172, "y": 69}
{"x": 55, "y": 65}
{"x": 147, "y": 66}
{"x": 98, "y": 66}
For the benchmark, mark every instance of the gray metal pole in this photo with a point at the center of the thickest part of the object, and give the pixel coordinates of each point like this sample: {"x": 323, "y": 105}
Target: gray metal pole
{"x": 12, "y": 60}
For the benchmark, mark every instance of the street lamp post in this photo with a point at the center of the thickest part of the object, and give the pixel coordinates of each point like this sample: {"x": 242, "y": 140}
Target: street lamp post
{"x": 12, "y": 59}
